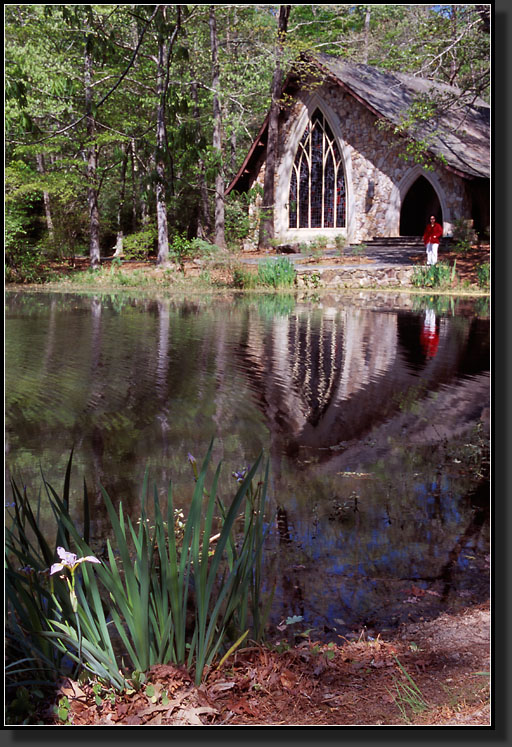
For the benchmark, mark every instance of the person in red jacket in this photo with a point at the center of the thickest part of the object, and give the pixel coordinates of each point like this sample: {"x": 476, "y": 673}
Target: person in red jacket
{"x": 431, "y": 239}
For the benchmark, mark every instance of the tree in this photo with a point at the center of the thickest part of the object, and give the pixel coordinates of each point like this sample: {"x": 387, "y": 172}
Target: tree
{"x": 108, "y": 109}
{"x": 267, "y": 221}
{"x": 92, "y": 158}
{"x": 220, "y": 238}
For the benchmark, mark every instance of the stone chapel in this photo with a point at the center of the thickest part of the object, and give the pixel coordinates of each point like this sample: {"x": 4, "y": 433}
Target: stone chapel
{"x": 343, "y": 167}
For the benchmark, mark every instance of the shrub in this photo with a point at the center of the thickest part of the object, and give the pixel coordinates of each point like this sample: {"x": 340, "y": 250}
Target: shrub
{"x": 244, "y": 278}
{"x": 180, "y": 250}
{"x": 439, "y": 275}
{"x": 483, "y": 273}
{"x": 464, "y": 235}
{"x": 140, "y": 244}
{"x": 340, "y": 242}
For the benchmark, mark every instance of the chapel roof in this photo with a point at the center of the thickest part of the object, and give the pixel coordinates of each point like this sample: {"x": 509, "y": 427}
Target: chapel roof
{"x": 461, "y": 137}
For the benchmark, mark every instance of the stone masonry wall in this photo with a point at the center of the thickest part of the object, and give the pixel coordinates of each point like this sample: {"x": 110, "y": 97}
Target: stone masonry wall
{"x": 377, "y": 168}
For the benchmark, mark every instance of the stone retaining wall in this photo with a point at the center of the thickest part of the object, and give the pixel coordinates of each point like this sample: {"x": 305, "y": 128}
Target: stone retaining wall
{"x": 355, "y": 277}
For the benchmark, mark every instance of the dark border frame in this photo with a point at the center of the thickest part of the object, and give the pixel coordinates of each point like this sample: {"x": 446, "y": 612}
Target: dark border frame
{"x": 500, "y": 731}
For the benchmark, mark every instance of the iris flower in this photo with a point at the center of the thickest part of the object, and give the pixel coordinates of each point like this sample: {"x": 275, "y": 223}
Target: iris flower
{"x": 70, "y": 561}
{"x": 239, "y": 476}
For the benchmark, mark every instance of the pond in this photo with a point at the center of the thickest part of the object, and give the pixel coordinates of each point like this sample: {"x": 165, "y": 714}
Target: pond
{"x": 373, "y": 410}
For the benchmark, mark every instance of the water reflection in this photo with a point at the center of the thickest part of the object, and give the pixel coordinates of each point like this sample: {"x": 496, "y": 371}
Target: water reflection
{"x": 368, "y": 407}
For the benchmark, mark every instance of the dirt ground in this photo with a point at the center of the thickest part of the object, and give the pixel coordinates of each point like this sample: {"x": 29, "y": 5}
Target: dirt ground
{"x": 432, "y": 673}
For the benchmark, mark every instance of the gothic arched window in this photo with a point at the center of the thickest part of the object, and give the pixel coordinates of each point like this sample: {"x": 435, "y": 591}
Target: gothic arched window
{"x": 317, "y": 185}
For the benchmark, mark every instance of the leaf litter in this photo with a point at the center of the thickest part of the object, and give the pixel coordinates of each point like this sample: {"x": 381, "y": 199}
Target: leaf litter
{"x": 353, "y": 682}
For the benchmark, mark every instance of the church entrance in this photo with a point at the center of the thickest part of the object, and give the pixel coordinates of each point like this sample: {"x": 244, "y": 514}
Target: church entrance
{"x": 420, "y": 202}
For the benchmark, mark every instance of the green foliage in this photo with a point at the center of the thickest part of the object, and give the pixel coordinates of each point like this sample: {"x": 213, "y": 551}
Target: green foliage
{"x": 483, "y": 272}
{"x": 440, "y": 275}
{"x": 463, "y": 235}
{"x": 407, "y": 696}
{"x": 278, "y": 273}
{"x": 340, "y": 242}
{"x": 238, "y": 221}
{"x": 180, "y": 250}
{"x": 165, "y": 592}
{"x": 45, "y": 95}
{"x": 273, "y": 273}
{"x": 140, "y": 244}
{"x": 23, "y": 258}
{"x": 243, "y": 278}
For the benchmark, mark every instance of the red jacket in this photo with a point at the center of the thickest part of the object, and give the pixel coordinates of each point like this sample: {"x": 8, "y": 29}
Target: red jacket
{"x": 432, "y": 234}
{"x": 429, "y": 340}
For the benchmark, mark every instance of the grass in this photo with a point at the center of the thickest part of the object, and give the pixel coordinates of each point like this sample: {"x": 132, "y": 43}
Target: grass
{"x": 271, "y": 273}
{"x": 159, "y": 596}
{"x": 407, "y": 695}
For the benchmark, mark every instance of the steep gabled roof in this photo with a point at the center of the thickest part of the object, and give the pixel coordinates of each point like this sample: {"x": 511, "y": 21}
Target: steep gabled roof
{"x": 461, "y": 137}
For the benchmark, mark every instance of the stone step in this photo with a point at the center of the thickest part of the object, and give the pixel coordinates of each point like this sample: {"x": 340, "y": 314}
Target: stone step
{"x": 399, "y": 241}
{"x": 395, "y": 241}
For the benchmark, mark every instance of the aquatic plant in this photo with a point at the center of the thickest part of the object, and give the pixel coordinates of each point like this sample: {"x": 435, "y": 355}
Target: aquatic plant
{"x": 157, "y": 596}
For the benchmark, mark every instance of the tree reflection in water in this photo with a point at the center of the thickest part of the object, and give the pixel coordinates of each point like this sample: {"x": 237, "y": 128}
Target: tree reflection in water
{"x": 372, "y": 434}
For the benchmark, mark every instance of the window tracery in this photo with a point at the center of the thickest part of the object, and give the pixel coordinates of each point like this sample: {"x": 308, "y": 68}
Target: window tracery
{"x": 317, "y": 185}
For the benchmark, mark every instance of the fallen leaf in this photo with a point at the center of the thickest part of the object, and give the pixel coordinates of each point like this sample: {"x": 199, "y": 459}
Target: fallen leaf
{"x": 288, "y": 679}
{"x": 242, "y": 709}
{"x": 156, "y": 721}
{"x": 70, "y": 689}
{"x": 132, "y": 721}
{"x": 218, "y": 688}
{"x": 190, "y": 715}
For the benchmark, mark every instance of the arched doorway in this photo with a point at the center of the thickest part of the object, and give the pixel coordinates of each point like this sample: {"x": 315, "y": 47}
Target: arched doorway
{"x": 420, "y": 202}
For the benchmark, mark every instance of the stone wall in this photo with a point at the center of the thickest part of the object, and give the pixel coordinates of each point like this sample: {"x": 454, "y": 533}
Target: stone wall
{"x": 377, "y": 174}
{"x": 355, "y": 277}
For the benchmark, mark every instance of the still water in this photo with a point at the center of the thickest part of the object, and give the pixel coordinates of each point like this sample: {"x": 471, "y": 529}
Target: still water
{"x": 372, "y": 410}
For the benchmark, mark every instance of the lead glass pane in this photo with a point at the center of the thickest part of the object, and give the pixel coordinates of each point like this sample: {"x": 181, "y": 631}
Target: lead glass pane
{"x": 293, "y": 199}
{"x": 329, "y": 192}
{"x": 316, "y": 176}
{"x": 304, "y": 195}
{"x": 317, "y": 184}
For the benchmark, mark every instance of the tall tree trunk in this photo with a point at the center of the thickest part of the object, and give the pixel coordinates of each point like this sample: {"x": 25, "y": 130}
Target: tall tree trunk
{"x": 267, "y": 219}
{"x": 119, "y": 238}
{"x": 220, "y": 238}
{"x": 164, "y": 51}
{"x": 135, "y": 196}
{"x": 46, "y": 199}
{"x": 92, "y": 164}
{"x": 161, "y": 204}
{"x": 203, "y": 217}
